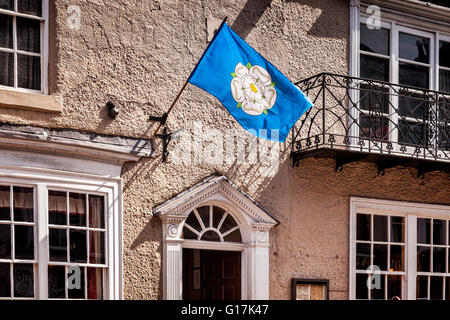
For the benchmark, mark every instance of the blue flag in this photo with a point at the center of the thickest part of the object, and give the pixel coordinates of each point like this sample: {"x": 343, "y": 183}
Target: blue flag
{"x": 256, "y": 94}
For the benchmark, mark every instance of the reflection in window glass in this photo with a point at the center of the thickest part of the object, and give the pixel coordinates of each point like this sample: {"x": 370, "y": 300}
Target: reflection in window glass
{"x": 77, "y": 207}
{"x": 56, "y": 282}
{"x": 23, "y": 280}
{"x": 444, "y": 54}
{"x": 23, "y": 204}
{"x": 5, "y": 209}
{"x": 414, "y": 48}
{"x": 414, "y": 75}
{"x": 374, "y": 68}
{"x": 422, "y": 288}
{"x": 377, "y": 293}
{"x": 380, "y": 256}
{"x": 423, "y": 258}
{"x": 439, "y": 231}
{"x": 374, "y": 40}
{"x": 397, "y": 229}
{"x": 423, "y": 231}
{"x": 380, "y": 228}
{"x": 361, "y": 286}
{"x": 57, "y": 207}
{"x": 363, "y": 227}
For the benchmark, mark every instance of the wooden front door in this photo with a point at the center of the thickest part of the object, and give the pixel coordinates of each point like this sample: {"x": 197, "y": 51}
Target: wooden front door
{"x": 217, "y": 276}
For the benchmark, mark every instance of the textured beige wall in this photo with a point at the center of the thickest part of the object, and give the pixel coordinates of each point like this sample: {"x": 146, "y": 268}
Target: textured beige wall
{"x": 312, "y": 203}
{"x": 138, "y": 53}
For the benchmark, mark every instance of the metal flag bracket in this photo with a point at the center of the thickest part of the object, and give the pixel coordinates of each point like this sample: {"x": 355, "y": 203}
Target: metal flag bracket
{"x": 165, "y": 136}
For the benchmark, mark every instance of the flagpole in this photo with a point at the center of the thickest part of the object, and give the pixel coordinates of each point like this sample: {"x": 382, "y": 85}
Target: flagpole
{"x": 164, "y": 117}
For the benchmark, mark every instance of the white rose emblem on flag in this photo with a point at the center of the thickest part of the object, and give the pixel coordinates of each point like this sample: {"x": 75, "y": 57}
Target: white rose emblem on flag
{"x": 253, "y": 89}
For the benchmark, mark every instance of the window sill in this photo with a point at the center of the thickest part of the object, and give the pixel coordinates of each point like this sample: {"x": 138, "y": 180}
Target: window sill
{"x": 30, "y": 101}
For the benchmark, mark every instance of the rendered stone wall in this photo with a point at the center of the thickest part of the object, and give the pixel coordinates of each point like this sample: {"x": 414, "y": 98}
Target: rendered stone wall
{"x": 138, "y": 53}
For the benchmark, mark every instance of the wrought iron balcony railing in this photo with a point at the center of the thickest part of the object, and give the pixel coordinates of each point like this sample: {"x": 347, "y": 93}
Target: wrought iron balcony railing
{"x": 367, "y": 116}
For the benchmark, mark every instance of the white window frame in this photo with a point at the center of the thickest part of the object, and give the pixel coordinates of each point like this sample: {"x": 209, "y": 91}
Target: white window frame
{"x": 356, "y": 18}
{"x": 410, "y": 211}
{"x": 44, "y": 54}
{"x": 43, "y": 180}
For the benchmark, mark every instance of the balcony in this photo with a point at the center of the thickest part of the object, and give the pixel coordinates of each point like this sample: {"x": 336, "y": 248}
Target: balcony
{"x": 355, "y": 119}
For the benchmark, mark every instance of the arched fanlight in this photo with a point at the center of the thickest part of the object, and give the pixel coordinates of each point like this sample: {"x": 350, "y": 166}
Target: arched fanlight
{"x": 211, "y": 223}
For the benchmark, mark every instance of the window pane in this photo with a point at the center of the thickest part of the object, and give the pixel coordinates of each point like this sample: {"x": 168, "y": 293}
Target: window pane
{"x": 6, "y": 31}
{"x": 374, "y": 127}
{"x": 376, "y": 40}
{"x": 377, "y": 293}
{"x": 56, "y": 282}
{"x": 97, "y": 247}
{"x": 374, "y": 68}
{"x": 5, "y": 210}
{"x": 188, "y": 234}
{"x": 363, "y": 227}
{"x": 217, "y": 215}
{"x": 29, "y": 72}
{"x": 28, "y": 35}
{"x": 361, "y": 286}
{"x": 57, "y": 208}
{"x": 439, "y": 260}
{"x": 444, "y": 54}
{"x": 78, "y": 246}
{"x": 193, "y": 222}
{"x": 5, "y": 241}
{"x": 5, "y": 280}
{"x": 362, "y": 256}
{"x": 77, "y": 206}
{"x": 397, "y": 229}
{"x": 23, "y": 280}
{"x": 414, "y": 48}
{"x": 96, "y": 212}
{"x": 423, "y": 259}
{"x": 210, "y": 236}
{"x": 33, "y": 7}
{"x": 234, "y": 236}
{"x": 412, "y": 133}
{"x": 424, "y": 231}
{"x": 374, "y": 98}
{"x": 24, "y": 242}
{"x": 436, "y": 288}
{"x": 414, "y": 76}
{"x": 439, "y": 231}
{"x": 422, "y": 288}
{"x": 7, "y": 67}
{"x": 228, "y": 223}
{"x": 394, "y": 287}
{"x": 447, "y": 288}
{"x": 7, "y": 4}
{"x": 444, "y": 80}
{"x": 23, "y": 204}
{"x": 413, "y": 105}
{"x": 380, "y": 256}
{"x": 380, "y": 228}
{"x": 204, "y": 215}
{"x": 95, "y": 283}
{"x": 75, "y": 283}
{"x": 397, "y": 258}
{"x": 58, "y": 245}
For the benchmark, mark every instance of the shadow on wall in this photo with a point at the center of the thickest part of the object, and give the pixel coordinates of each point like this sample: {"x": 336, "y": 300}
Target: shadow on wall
{"x": 329, "y": 23}
{"x": 249, "y": 16}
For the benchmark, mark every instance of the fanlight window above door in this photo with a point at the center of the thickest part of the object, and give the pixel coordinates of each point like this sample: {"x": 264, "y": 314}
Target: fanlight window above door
{"x": 211, "y": 223}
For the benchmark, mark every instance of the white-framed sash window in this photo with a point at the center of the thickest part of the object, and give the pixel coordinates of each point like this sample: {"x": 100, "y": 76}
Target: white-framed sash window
{"x": 24, "y": 45}
{"x": 59, "y": 237}
{"x": 399, "y": 250}
{"x": 407, "y": 56}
